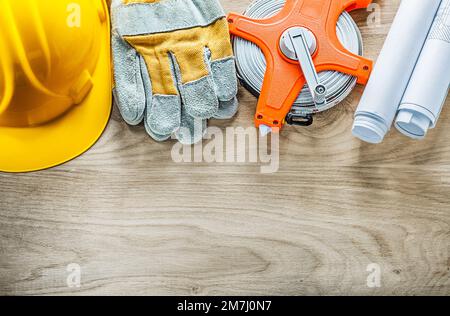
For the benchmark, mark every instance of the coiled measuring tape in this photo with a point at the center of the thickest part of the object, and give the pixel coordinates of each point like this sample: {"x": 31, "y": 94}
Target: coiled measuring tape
{"x": 287, "y": 33}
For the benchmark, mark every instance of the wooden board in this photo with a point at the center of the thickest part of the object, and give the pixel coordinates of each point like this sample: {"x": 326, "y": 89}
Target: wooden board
{"x": 136, "y": 222}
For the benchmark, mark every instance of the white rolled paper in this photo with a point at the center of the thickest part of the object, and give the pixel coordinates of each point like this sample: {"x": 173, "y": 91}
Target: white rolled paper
{"x": 429, "y": 85}
{"x": 393, "y": 69}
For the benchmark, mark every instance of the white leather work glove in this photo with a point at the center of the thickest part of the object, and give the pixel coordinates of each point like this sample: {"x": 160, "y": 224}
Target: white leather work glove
{"x": 173, "y": 66}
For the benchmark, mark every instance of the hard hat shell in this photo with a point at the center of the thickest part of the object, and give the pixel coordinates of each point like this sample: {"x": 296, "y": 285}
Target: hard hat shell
{"x": 55, "y": 80}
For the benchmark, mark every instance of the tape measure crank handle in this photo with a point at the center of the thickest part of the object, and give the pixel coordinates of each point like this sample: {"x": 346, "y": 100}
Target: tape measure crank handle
{"x": 304, "y": 46}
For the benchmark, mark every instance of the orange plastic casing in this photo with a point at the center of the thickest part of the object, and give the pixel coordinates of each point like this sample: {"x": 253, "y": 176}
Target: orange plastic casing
{"x": 284, "y": 79}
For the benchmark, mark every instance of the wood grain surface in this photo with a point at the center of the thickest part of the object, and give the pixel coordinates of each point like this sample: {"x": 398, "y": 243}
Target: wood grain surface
{"x": 138, "y": 223}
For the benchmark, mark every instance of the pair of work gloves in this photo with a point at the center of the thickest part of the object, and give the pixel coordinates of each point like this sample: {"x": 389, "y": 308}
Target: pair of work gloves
{"x": 173, "y": 66}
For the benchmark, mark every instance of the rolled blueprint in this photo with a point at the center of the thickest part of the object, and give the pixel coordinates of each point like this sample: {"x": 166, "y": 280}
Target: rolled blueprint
{"x": 428, "y": 88}
{"x": 393, "y": 70}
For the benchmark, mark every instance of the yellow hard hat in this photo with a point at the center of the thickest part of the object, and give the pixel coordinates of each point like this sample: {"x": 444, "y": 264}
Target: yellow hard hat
{"x": 55, "y": 80}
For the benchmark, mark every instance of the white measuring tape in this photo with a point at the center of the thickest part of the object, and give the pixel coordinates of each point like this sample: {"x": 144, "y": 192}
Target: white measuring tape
{"x": 251, "y": 63}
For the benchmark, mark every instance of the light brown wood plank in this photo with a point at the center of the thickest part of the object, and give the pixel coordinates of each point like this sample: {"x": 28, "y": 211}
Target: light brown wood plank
{"x": 138, "y": 223}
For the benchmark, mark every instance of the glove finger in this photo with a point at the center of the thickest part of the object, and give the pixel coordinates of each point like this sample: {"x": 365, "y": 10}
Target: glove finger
{"x": 192, "y": 129}
{"x": 164, "y": 116}
{"x": 225, "y": 78}
{"x": 222, "y": 62}
{"x": 129, "y": 89}
{"x": 164, "y": 111}
{"x": 149, "y": 97}
{"x": 227, "y": 109}
{"x": 155, "y": 136}
{"x": 198, "y": 95}
{"x": 225, "y": 81}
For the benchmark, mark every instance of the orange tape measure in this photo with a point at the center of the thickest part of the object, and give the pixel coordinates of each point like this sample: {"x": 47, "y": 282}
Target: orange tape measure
{"x": 299, "y": 42}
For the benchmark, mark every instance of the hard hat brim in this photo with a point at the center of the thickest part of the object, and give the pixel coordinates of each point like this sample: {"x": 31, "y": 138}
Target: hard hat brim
{"x": 67, "y": 137}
